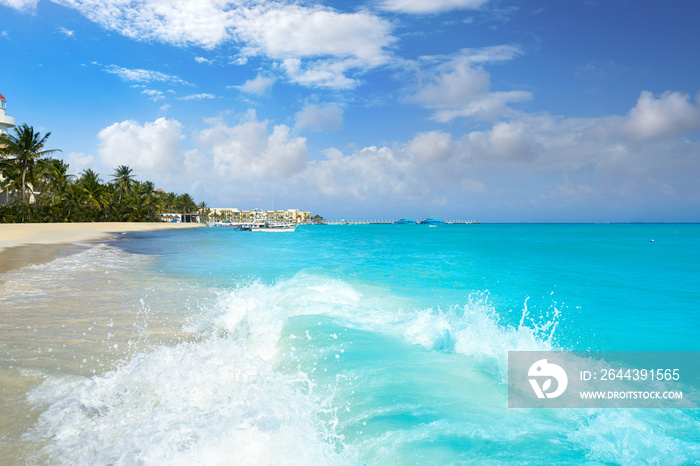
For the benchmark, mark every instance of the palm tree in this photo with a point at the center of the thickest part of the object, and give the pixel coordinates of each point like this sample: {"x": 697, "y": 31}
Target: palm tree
{"x": 56, "y": 177}
{"x": 171, "y": 202}
{"x": 94, "y": 193}
{"x": 123, "y": 180}
{"x": 26, "y": 146}
{"x": 71, "y": 203}
{"x": 203, "y": 210}
{"x": 186, "y": 204}
{"x": 11, "y": 171}
{"x": 146, "y": 201}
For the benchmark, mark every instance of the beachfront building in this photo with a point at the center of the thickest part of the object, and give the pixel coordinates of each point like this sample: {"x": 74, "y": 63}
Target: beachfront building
{"x": 175, "y": 217}
{"x": 259, "y": 216}
{"x": 6, "y": 124}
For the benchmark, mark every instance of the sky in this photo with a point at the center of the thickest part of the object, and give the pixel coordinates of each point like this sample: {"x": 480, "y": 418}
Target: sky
{"x": 485, "y": 110}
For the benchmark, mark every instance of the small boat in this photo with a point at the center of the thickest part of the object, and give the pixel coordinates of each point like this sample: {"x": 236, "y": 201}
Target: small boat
{"x": 432, "y": 221}
{"x": 273, "y": 227}
{"x": 405, "y": 221}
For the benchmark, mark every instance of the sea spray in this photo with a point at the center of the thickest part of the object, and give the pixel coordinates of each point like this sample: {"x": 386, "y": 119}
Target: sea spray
{"x": 341, "y": 355}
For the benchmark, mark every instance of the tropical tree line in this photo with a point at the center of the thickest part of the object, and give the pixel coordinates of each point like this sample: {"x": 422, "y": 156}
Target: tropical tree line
{"x": 44, "y": 191}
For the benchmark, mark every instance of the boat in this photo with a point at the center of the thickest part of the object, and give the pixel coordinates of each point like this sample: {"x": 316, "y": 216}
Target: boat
{"x": 432, "y": 221}
{"x": 267, "y": 226}
{"x": 274, "y": 227}
{"x": 405, "y": 221}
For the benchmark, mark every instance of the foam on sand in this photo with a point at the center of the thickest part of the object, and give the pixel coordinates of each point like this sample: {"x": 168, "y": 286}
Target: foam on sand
{"x": 32, "y": 243}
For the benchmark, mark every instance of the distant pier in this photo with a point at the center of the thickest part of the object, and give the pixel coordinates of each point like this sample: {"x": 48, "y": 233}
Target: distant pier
{"x": 391, "y": 222}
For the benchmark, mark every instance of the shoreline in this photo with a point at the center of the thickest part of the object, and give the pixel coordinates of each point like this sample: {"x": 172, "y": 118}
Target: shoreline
{"x": 22, "y": 244}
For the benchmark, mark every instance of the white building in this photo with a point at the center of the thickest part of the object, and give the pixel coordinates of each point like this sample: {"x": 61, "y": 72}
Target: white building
{"x": 6, "y": 122}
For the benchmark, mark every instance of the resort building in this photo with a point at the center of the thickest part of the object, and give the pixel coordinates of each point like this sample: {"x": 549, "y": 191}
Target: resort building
{"x": 6, "y": 124}
{"x": 259, "y": 216}
{"x": 179, "y": 218}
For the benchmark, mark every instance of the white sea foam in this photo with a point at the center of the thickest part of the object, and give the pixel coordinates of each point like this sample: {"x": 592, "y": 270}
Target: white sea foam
{"x": 226, "y": 397}
{"x": 209, "y": 402}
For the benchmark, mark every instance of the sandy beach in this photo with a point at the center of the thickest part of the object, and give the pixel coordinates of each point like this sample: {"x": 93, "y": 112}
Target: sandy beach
{"x": 31, "y": 243}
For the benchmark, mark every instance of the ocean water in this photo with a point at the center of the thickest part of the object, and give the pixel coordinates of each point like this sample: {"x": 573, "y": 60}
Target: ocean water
{"x": 374, "y": 344}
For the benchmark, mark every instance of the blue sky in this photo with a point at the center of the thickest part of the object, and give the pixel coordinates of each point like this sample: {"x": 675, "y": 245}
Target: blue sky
{"x": 492, "y": 110}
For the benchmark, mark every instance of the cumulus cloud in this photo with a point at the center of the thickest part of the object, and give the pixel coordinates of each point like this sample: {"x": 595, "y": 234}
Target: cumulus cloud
{"x": 79, "y": 162}
{"x": 304, "y": 38}
{"x": 460, "y": 87}
{"x": 433, "y": 146}
{"x": 506, "y": 140}
{"x": 257, "y": 86}
{"x": 283, "y": 31}
{"x": 430, "y": 6}
{"x": 533, "y": 161}
{"x": 320, "y": 117}
{"x": 322, "y": 73}
{"x": 528, "y": 162}
{"x": 669, "y": 115}
{"x": 366, "y": 173}
{"x": 248, "y": 150}
{"x": 150, "y": 147}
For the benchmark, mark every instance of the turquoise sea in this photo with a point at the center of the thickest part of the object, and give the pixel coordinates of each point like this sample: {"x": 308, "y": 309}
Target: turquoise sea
{"x": 366, "y": 344}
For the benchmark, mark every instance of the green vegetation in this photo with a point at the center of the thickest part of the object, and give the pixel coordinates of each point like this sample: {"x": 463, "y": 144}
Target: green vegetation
{"x": 45, "y": 192}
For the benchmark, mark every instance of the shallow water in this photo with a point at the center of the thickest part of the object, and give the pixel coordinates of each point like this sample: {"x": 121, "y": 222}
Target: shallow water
{"x": 339, "y": 345}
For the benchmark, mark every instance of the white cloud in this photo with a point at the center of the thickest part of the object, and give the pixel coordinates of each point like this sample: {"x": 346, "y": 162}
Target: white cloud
{"x": 433, "y": 146}
{"x": 153, "y": 94}
{"x": 506, "y": 140}
{"x": 430, "y": 6}
{"x": 66, "y": 32}
{"x": 21, "y": 5}
{"x": 247, "y": 151}
{"x": 367, "y": 173}
{"x": 323, "y": 73}
{"x": 203, "y": 96}
{"x": 488, "y": 107}
{"x": 321, "y": 37}
{"x": 258, "y": 85}
{"x": 78, "y": 162}
{"x": 670, "y": 115}
{"x": 317, "y": 46}
{"x": 320, "y": 117}
{"x": 203, "y": 60}
{"x": 534, "y": 161}
{"x": 460, "y": 87}
{"x": 143, "y": 76}
{"x": 284, "y": 31}
{"x": 180, "y": 22}
{"x": 152, "y": 147}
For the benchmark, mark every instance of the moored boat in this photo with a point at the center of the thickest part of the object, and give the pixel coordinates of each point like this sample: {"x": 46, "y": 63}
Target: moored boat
{"x": 277, "y": 227}
{"x": 432, "y": 221}
{"x": 405, "y": 221}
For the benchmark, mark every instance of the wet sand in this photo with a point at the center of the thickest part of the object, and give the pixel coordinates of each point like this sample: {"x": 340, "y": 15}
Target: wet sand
{"x": 74, "y": 319}
{"x": 36, "y": 243}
